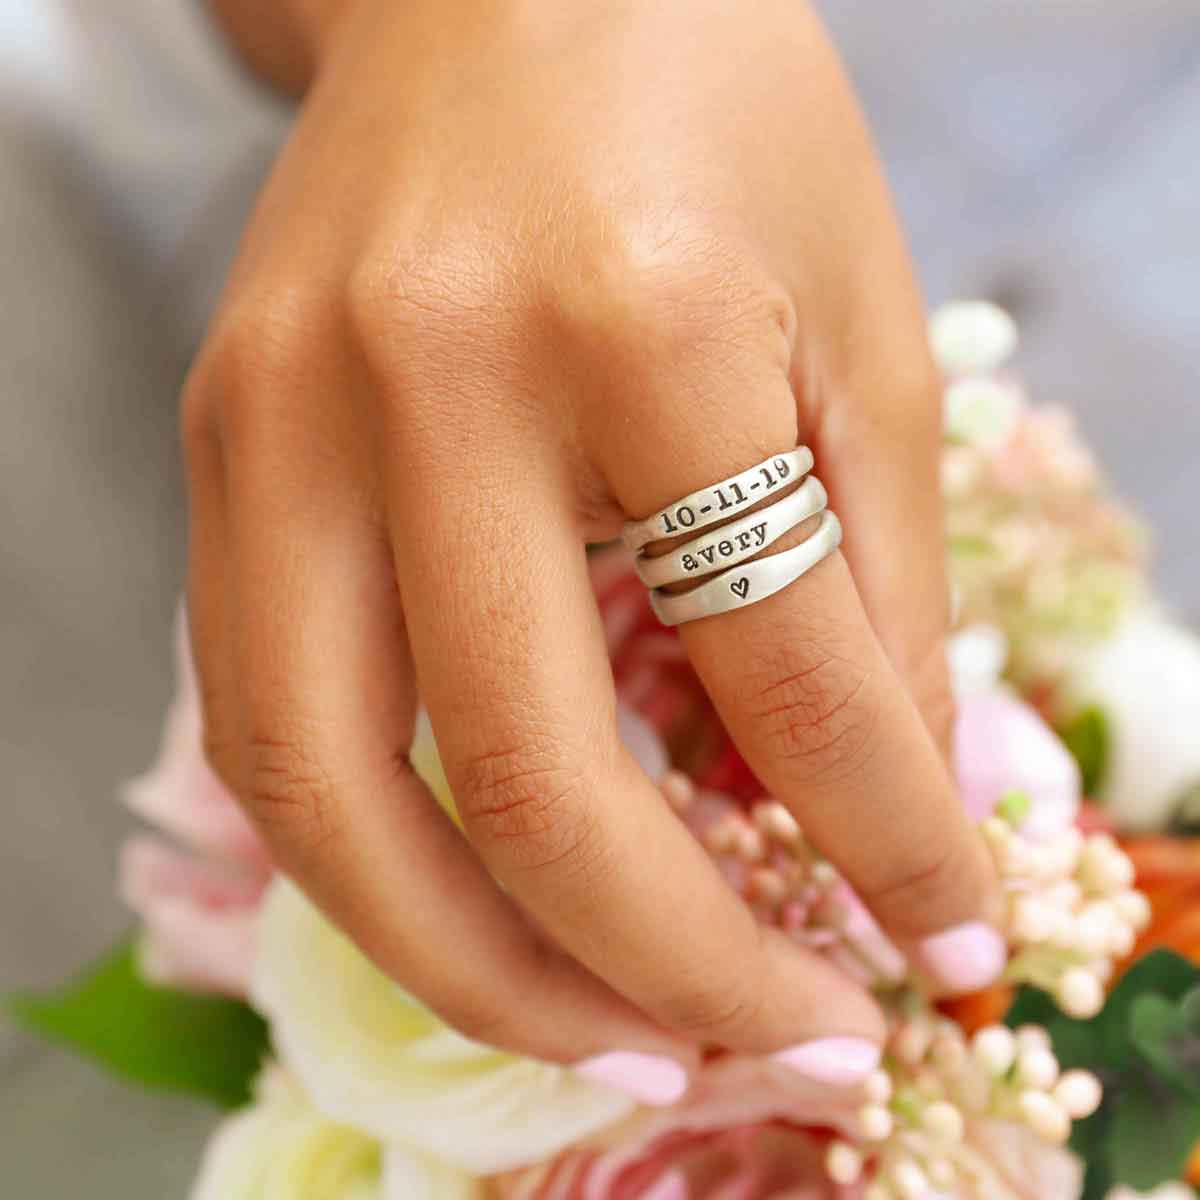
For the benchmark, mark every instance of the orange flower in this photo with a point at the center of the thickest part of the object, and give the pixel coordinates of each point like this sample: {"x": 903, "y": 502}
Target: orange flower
{"x": 1168, "y": 873}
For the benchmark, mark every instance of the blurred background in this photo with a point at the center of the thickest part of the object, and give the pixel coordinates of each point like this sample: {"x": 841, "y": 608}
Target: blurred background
{"x": 1043, "y": 155}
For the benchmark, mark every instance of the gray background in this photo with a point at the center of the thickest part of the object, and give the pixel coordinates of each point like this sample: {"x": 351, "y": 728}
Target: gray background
{"x": 1042, "y": 154}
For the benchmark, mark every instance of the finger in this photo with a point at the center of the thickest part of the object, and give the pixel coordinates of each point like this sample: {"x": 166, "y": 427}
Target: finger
{"x": 807, "y": 691}
{"x": 879, "y": 427}
{"x": 207, "y": 610}
{"x": 511, "y": 662}
{"x": 329, "y": 706}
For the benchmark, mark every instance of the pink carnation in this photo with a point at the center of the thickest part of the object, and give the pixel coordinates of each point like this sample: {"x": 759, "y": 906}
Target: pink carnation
{"x": 197, "y": 893}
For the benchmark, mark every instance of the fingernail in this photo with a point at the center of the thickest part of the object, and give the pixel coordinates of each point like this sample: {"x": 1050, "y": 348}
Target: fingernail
{"x": 838, "y": 1061}
{"x": 965, "y": 958}
{"x": 650, "y": 1078}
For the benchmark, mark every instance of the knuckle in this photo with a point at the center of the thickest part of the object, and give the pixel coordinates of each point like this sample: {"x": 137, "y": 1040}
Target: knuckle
{"x": 721, "y": 1010}
{"x": 291, "y": 797}
{"x": 259, "y": 349}
{"x": 197, "y": 414}
{"x": 919, "y": 882}
{"x": 666, "y": 296}
{"x": 402, "y": 306}
{"x": 816, "y": 713}
{"x": 527, "y": 799}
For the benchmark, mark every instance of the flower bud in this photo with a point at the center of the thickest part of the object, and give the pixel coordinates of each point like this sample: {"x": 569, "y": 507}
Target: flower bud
{"x": 909, "y": 1181}
{"x": 994, "y": 1049}
{"x": 943, "y": 1120}
{"x": 843, "y": 1163}
{"x": 1134, "y": 908}
{"x": 878, "y": 1087}
{"x": 1037, "y": 1069}
{"x": 1079, "y": 993}
{"x": 1045, "y": 1116}
{"x": 1030, "y": 1037}
{"x": 877, "y": 1123}
{"x": 1079, "y": 1093}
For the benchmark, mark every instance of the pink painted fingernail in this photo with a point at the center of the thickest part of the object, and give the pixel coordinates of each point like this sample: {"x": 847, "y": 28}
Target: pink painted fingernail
{"x": 837, "y": 1061}
{"x": 650, "y": 1078}
{"x": 965, "y": 958}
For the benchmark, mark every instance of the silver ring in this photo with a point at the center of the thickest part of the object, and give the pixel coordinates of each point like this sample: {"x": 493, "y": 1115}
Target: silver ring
{"x": 720, "y": 501}
{"x": 735, "y": 542}
{"x": 740, "y": 586}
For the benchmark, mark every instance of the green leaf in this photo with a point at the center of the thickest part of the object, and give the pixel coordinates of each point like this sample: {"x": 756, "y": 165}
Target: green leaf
{"x": 1151, "y": 1134}
{"x": 204, "y": 1045}
{"x": 1076, "y": 1043}
{"x": 1090, "y": 1139}
{"x": 1087, "y": 737}
{"x": 1146, "y": 1050}
{"x": 1159, "y": 1031}
{"x": 1162, "y": 973}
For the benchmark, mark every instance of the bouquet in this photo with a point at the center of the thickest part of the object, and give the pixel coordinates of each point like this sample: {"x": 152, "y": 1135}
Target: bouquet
{"x": 1077, "y": 752}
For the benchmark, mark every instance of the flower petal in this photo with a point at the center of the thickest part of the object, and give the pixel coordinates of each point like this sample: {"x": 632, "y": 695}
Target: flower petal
{"x": 373, "y": 1057}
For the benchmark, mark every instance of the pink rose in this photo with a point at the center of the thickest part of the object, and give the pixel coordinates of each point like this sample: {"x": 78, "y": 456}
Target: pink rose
{"x": 1002, "y": 746}
{"x": 198, "y": 893}
{"x": 748, "y": 1130}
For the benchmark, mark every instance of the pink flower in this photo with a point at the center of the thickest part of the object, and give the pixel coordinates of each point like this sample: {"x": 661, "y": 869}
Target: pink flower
{"x": 198, "y": 893}
{"x": 751, "y": 1131}
{"x": 1003, "y": 746}
{"x": 748, "y": 1130}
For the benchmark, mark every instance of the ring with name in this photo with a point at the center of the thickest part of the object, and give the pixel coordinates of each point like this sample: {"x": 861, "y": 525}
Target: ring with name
{"x": 721, "y": 501}
{"x": 739, "y": 586}
{"x": 735, "y": 542}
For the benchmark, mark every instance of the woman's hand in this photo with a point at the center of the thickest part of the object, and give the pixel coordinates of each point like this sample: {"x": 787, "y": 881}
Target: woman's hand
{"x": 525, "y": 269}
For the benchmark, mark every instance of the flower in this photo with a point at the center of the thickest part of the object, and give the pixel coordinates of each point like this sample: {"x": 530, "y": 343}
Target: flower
{"x": 197, "y": 893}
{"x": 1146, "y": 682}
{"x": 373, "y": 1058}
{"x": 1003, "y": 747}
{"x": 282, "y": 1147}
{"x": 971, "y": 337}
{"x": 749, "y": 1131}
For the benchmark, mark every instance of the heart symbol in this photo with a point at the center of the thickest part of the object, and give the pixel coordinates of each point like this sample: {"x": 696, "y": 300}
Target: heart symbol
{"x": 740, "y": 588}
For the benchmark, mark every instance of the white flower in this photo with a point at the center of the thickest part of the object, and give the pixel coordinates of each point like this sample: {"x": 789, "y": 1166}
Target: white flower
{"x": 980, "y": 410}
{"x": 1146, "y": 681}
{"x": 976, "y": 657}
{"x": 972, "y": 337}
{"x": 373, "y": 1058}
{"x": 281, "y": 1147}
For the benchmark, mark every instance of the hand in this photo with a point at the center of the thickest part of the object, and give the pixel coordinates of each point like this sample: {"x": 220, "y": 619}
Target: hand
{"x": 526, "y": 269}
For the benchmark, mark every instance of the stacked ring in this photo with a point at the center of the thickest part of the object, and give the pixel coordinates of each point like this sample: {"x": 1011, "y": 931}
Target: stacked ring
{"x": 722, "y": 554}
{"x": 735, "y": 542}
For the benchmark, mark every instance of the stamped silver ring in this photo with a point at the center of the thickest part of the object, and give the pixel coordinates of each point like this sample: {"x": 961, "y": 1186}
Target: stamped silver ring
{"x": 722, "y": 500}
{"x": 740, "y": 586}
{"x": 735, "y": 542}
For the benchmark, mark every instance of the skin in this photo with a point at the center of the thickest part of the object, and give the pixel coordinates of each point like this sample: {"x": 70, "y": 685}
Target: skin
{"x": 523, "y": 270}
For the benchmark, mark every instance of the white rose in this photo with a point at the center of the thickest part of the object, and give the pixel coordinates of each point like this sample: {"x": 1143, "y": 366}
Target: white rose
{"x": 1146, "y": 681}
{"x": 281, "y": 1147}
{"x": 979, "y": 410}
{"x": 972, "y": 337}
{"x": 374, "y": 1059}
